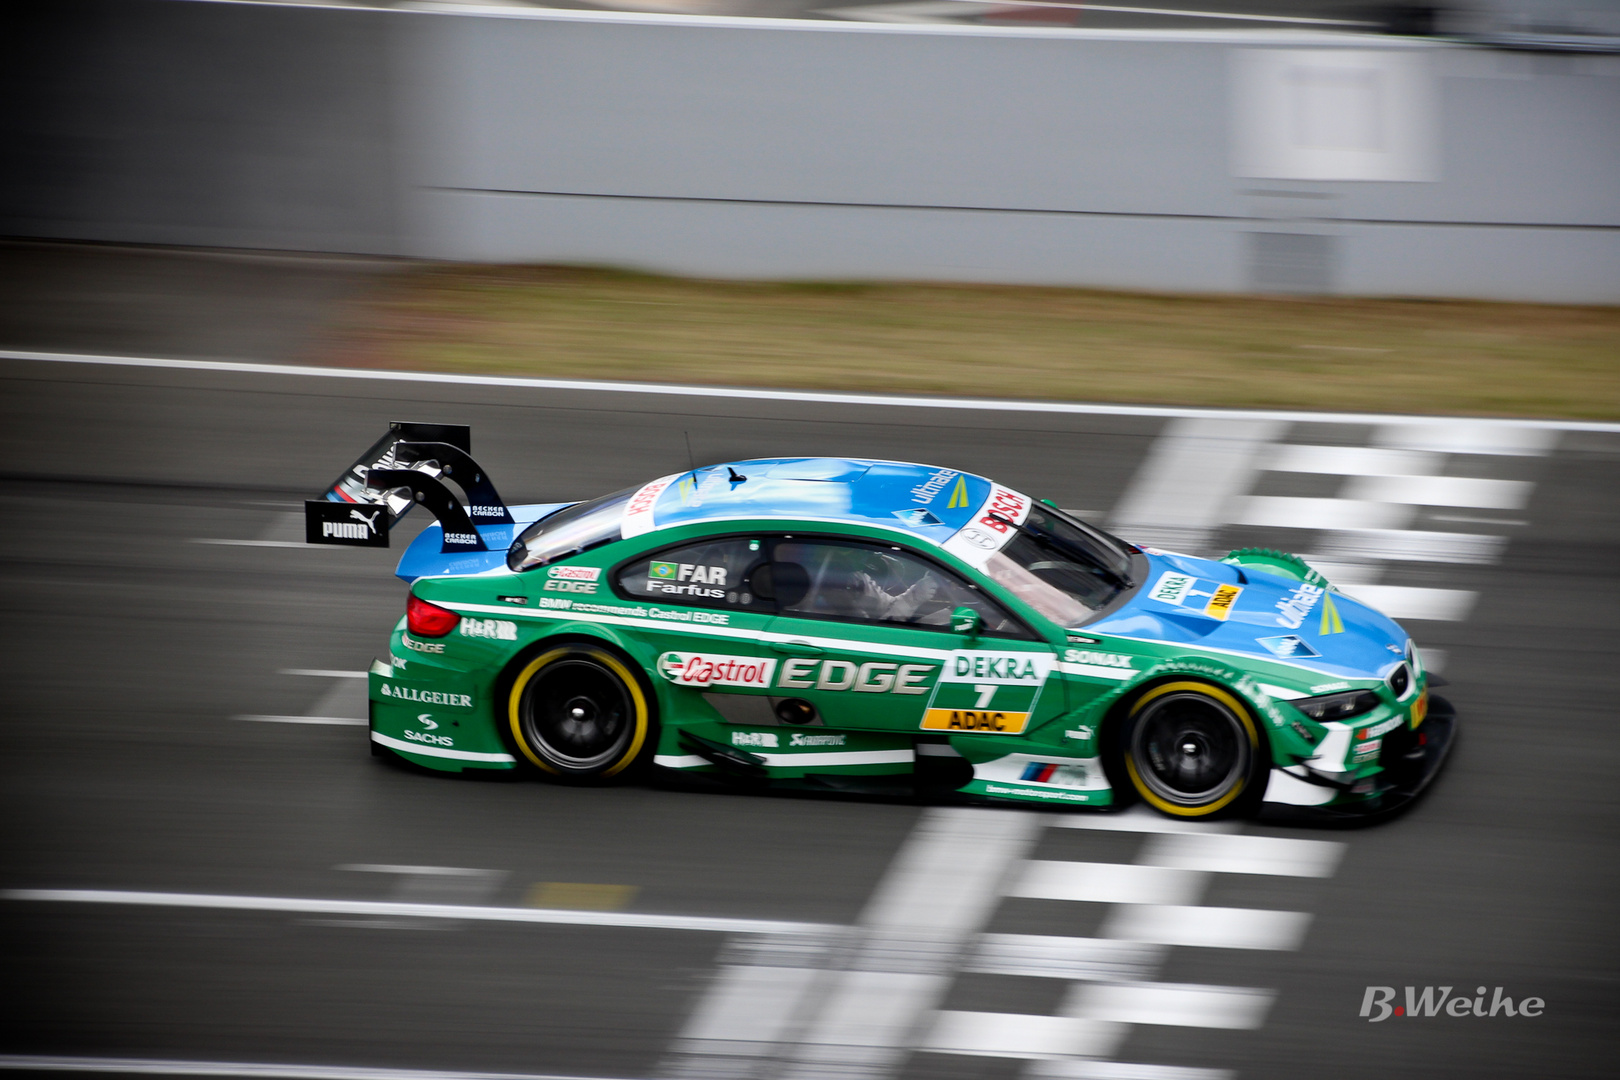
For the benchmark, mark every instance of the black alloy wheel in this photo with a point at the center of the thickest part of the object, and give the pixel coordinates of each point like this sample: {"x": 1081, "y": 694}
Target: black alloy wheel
{"x": 1192, "y": 749}
{"x": 578, "y": 711}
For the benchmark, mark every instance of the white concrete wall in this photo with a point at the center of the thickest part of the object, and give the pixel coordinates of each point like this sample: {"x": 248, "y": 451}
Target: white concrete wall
{"x": 759, "y": 148}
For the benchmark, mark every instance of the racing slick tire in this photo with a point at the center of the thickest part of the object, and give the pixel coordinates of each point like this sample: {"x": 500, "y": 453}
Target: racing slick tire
{"x": 579, "y": 712}
{"x": 1193, "y": 750}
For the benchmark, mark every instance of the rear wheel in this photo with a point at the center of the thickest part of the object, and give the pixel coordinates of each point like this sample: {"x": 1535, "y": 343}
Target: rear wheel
{"x": 1193, "y": 750}
{"x": 579, "y": 711}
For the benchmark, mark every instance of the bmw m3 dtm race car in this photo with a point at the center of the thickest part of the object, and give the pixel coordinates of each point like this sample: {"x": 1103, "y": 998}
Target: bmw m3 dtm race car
{"x": 859, "y": 625}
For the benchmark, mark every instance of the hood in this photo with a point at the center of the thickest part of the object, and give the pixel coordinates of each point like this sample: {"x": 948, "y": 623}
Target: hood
{"x": 1191, "y": 601}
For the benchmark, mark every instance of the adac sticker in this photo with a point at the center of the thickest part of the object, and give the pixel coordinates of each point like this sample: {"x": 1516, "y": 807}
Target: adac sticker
{"x": 1196, "y": 594}
{"x": 984, "y": 721}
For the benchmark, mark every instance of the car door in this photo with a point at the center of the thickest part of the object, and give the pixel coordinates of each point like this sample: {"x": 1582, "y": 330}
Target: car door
{"x": 706, "y": 624}
{"x": 865, "y": 633}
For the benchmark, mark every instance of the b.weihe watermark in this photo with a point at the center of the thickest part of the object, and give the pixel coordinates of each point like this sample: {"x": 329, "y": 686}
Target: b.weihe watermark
{"x": 1377, "y": 1003}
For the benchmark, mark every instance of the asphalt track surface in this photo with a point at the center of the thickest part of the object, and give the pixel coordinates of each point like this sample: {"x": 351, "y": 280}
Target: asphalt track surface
{"x": 132, "y": 648}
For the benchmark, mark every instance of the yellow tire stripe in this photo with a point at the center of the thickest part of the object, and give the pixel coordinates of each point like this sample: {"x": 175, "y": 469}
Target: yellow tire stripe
{"x": 607, "y": 660}
{"x": 1224, "y": 698}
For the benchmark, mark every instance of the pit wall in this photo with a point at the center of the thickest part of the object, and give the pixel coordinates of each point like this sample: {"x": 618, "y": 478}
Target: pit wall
{"x": 1220, "y": 162}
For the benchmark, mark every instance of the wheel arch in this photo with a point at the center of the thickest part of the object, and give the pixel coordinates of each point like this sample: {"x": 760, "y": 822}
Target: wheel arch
{"x": 571, "y": 634}
{"x": 1114, "y": 709}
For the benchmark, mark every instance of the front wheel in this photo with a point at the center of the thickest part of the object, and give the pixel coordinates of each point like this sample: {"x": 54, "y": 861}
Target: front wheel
{"x": 578, "y": 711}
{"x": 1192, "y": 750}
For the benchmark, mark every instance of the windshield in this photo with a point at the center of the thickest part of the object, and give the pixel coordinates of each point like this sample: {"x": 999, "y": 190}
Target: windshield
{"x": 1061, "y": 567}
{"x": 569, "y": 531}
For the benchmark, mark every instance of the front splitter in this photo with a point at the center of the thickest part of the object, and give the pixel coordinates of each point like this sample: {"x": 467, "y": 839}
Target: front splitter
{"x": 1440, "y": 735}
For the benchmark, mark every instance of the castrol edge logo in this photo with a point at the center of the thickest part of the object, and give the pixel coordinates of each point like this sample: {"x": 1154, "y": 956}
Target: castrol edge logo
{"x": 985, "y": 535}
{"x": 638, "y": 512}
{"x": 710, "y": 669}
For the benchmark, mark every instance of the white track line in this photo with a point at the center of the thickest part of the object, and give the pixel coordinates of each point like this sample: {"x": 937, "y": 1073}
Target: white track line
{"x": 1014, "y": 1035}
{"x": 1455, "y": 424}
{"x": 1173, "y": 1004}
{"x": 1140, "y": 819}
{"x": 1046, "y": 957}
{"x": 311, "y": 906}
{"x": 1107, "y": 883}
{"x": 411, "y": 871}
{"x": 1233, "y": 854}
{"x": 159, "y": 1067}
{"x": 1185, "y": 488}
{"x": 1087, "y": 1069}
{"x": 254, "y": 543}
{"x": 336, "y": 721}
{"x": 1208, "y": 927}
{"x": 857, "y": 1017}
{"x": 1173, "y": 12}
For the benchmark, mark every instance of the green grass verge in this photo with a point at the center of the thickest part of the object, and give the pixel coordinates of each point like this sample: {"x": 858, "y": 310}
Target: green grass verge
{"x": 987, "y": 340}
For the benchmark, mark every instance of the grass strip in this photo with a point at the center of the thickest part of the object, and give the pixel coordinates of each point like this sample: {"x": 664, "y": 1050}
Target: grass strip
{"x": 1417, "y": 356}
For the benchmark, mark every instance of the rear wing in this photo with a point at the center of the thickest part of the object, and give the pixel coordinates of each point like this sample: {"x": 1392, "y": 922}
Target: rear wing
{"x": 405, "y": 468}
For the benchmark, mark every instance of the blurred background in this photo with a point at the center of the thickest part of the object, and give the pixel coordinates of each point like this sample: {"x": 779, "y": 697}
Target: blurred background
{"x": 225, "y": 227}
{"x": 1296, "y": 149}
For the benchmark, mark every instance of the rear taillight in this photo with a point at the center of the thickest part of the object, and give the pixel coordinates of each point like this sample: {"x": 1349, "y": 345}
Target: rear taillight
{"x": 428, "y": 620}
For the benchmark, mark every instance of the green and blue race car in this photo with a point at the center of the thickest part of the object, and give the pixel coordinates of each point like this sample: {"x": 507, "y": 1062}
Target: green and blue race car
{"x": 857, "y": 625}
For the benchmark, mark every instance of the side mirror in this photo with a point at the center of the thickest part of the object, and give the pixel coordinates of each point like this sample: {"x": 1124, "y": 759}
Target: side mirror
{"x": 966, "y": 620}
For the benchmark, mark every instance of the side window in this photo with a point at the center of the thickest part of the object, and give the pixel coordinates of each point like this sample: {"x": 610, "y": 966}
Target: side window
{"x": 879, "y": 584}
{"x": 710, "y": 573}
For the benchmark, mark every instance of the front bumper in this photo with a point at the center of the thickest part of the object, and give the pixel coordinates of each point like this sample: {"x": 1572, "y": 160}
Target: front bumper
{"x": 1403, "y": 780}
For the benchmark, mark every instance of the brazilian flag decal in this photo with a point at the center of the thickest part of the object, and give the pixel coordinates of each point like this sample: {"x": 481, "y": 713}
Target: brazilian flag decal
{"x": 663, "y": 570}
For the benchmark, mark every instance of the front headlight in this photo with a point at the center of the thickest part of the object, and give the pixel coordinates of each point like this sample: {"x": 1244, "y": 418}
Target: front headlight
{"x": 1340, "y": 706}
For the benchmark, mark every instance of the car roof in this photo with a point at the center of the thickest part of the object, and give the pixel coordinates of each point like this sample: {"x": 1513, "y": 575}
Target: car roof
{"x": 928, "y": 501}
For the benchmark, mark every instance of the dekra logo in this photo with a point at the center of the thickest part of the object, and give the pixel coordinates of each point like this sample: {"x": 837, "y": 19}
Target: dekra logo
{"x": 1012, "y": 668}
